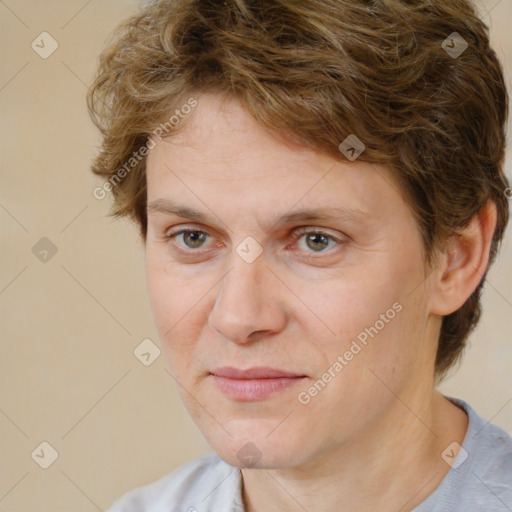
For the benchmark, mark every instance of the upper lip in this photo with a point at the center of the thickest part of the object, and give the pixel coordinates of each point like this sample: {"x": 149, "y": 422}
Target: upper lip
{"x": 259, "y": 372}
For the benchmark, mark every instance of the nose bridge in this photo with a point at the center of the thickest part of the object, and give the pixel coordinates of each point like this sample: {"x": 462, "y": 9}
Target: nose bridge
{"x": 243, "y": 304}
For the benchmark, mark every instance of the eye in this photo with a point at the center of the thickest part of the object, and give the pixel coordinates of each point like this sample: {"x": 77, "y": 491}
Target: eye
{"x": 192, "y": 238}
{"x": 315, "y": 240}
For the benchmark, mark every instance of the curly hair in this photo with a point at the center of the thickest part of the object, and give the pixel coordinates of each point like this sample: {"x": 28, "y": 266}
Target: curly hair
{"x": 318, "y": 71}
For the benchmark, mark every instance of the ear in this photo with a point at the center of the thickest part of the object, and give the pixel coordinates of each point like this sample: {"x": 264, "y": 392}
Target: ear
{"x": 463, "y": 262}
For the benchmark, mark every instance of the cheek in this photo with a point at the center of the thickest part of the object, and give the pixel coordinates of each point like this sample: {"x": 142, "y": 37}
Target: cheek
{"x": 177, "y": 303}
{"x": 364, "y": 383}
{"x": 165, "y": 291}
{"x": 375, "y": 318}
{"x": 160, "y": 292}
{"x": 351, "y": 305}
{"x": 170, "y": 292}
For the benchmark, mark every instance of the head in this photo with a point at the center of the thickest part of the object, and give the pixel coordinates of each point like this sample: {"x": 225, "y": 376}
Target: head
{"x": 245, "y": 112}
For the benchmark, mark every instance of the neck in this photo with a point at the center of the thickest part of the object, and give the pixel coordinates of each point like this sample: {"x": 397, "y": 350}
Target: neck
{"x": 393, "y": 465}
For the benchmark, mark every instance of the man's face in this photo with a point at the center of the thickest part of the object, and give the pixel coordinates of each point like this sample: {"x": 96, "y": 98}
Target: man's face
{"x": 340, "y": 302}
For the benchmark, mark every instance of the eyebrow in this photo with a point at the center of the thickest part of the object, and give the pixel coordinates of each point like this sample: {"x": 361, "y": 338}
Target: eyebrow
{"x": 322, "y": 214}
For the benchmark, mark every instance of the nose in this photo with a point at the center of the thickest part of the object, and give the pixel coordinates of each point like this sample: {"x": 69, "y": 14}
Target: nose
{"x": 247, "y": 306}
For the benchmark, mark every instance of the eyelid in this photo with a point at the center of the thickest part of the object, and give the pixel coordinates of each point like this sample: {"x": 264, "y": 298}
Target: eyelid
{"x": 312, "y": 229}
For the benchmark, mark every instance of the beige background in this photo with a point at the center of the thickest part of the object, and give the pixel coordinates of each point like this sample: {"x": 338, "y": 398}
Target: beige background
{"x": 70, "y": 325}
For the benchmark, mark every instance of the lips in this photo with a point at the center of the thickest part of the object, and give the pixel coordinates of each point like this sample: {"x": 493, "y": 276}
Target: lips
{"x": 253, "y": 373}
{"x": 254, "y": 384}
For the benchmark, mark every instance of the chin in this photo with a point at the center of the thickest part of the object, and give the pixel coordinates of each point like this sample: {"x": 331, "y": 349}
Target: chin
{"x": 250, "y": 456}
{"x": 254, "y": 444}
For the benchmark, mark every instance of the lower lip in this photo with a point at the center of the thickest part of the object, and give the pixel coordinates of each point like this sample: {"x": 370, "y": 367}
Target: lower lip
{"x": 253, "y": 390}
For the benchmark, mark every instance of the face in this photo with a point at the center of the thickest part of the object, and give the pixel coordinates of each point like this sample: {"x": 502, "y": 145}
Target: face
{"x": 285, "y": 329}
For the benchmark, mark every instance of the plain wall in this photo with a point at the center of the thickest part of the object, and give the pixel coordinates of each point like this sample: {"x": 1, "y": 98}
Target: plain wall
{"x": 70, "y": 325}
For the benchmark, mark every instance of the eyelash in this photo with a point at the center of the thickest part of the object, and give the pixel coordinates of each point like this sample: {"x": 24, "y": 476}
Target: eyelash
{"x": 296, "y": 236}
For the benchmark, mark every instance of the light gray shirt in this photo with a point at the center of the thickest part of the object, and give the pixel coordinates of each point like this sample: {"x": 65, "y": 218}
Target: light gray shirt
{"x": 479, "y": 480}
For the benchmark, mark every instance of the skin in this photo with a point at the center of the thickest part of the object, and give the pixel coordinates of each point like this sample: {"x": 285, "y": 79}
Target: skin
{"x": 369, "y": 440}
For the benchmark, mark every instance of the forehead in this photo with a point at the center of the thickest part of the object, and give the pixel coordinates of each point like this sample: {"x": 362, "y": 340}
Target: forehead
{"x": 222, "y": 154}
{"x": 219, "y": 130}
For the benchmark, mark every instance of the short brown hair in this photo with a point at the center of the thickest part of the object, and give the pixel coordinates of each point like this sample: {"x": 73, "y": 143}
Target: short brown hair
{"x": 318, "y": 71}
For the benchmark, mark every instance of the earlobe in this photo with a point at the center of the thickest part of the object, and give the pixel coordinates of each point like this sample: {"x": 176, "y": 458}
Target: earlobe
{"x": 463, "y": 262}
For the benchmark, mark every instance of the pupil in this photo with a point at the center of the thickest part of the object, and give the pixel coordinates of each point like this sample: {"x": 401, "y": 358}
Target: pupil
{"x": 311, "y": 237}
{"x": 195, "y": 235}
